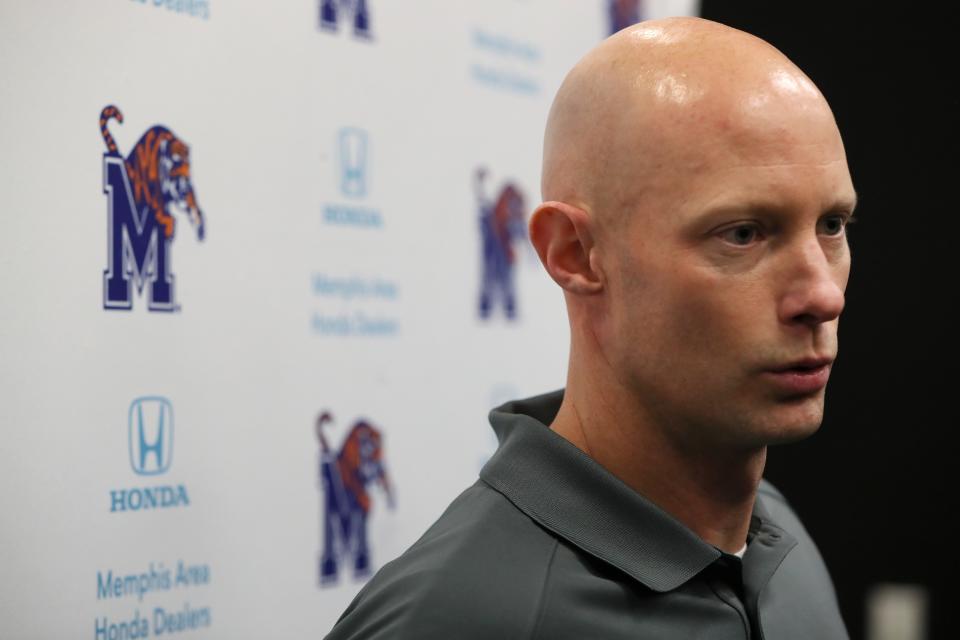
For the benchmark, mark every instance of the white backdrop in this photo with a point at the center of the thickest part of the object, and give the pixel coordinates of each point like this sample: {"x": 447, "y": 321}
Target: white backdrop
{"x": 305, "y": 295}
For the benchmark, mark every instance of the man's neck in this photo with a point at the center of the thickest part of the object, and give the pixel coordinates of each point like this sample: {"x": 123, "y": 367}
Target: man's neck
{"x": 710, "y": 490}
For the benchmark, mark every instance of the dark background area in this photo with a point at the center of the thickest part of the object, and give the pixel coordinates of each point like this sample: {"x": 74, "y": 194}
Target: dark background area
{"x": 873, "y": 486}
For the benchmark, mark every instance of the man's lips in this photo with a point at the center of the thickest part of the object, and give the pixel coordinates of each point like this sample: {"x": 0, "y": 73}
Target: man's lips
{"x": 801, "y": 376}
{"x": 807, "y": 364}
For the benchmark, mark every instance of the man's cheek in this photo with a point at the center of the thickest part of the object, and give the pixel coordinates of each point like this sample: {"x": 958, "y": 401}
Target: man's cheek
{"x": 694, "y": 318}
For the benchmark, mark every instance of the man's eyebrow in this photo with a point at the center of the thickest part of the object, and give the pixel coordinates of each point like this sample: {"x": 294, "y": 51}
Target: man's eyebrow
{"x": 846, "y": 204}
{"x": 842, "y": 204}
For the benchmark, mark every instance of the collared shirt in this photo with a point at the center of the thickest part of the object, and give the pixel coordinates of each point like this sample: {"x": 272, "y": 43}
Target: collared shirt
{"x": 549, "y": 545}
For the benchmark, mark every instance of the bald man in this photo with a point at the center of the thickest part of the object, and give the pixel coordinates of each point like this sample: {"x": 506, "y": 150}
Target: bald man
{"x": 696, "y": 198}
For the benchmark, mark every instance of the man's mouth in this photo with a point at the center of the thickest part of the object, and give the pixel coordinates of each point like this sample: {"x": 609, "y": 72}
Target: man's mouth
{"x": 801, "y": 376}
{"x": 804, "y": 365}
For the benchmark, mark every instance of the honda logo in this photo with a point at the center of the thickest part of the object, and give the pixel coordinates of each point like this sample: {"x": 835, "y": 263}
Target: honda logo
{"x": 151, "y": 435}
{"x": 353, "y": 162}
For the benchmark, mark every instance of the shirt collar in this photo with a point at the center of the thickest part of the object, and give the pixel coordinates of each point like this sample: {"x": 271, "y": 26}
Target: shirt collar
{"x": 569, "y": 493}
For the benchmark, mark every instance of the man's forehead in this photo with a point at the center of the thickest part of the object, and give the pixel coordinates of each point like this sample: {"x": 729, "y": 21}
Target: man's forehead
{"x": 717, "y": 181}
{"x": 655, "y": 108}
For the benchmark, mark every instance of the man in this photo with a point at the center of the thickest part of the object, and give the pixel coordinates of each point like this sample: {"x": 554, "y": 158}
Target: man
{"x": 696, "y": 195}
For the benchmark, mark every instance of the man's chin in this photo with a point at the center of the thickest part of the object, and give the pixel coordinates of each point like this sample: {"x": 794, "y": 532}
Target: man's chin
{"x": 798, "y": 424}
{"x": 788, "y": 436}
{"x": 784, "y": 422}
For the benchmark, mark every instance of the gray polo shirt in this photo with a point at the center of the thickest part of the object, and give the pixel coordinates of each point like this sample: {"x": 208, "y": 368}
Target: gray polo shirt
{"x": 548, "y": 545}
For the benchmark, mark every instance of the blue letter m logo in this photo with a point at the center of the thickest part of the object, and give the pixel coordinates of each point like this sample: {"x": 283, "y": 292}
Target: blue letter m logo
{"x": 137, "y": 250}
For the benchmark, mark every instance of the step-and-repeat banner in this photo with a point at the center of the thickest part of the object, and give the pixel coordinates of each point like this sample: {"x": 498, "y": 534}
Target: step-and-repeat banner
{"x": 264, "y": 271}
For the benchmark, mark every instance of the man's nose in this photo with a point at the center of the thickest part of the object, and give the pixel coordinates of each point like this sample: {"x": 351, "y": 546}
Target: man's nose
{"x": 814, "y": 286}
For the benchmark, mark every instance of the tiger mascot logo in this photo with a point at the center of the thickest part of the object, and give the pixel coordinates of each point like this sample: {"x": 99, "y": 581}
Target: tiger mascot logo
{"x": 502, "y": 224}
{"x": 344, "y": 477}
{"x": 143, "y": 192}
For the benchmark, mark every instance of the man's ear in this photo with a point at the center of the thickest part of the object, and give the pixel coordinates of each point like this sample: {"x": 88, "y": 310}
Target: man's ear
{"x": 562, "y": 234}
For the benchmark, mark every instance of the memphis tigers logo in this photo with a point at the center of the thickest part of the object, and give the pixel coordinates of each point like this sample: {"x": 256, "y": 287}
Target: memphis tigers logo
{"x": 143, "y": 191}
{"x": 344, "y": 477}
{"x": 502, "y": 227}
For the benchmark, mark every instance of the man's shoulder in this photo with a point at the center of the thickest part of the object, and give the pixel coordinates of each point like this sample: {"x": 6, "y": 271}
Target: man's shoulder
{"x": 780, "y": 510}
{"x": 479, "y": 571}
{"x": 803, "y": 570}
{"x": 773, "y": 495}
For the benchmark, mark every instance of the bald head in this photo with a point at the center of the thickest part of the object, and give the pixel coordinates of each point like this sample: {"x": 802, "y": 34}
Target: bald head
{"x": 697, "y": 197}
{"x": 656, "y": 100}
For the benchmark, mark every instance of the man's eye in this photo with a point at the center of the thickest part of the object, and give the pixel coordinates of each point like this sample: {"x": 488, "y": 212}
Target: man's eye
{"x": 835, "y": 225}
{"x": 741, "y": 235}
